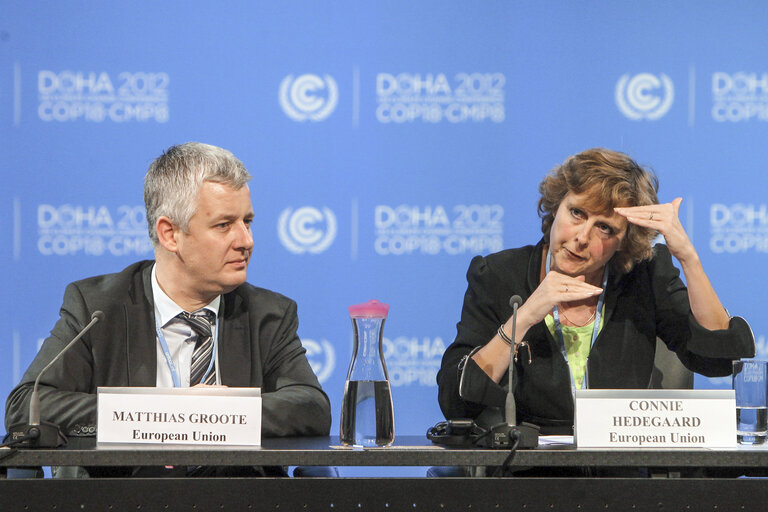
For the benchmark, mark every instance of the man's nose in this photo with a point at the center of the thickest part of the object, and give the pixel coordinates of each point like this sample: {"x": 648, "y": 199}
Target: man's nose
{"x": 244, "y": 237}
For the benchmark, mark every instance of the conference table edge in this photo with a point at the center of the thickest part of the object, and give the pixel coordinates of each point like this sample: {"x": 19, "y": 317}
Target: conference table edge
{"x": 413, "y": 451}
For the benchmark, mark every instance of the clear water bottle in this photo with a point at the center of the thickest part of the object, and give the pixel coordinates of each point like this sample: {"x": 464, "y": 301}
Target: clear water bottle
{"x": 367, "y": 418}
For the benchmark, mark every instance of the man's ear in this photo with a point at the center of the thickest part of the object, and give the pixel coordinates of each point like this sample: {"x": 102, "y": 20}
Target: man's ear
{"x": 166, "y": 233}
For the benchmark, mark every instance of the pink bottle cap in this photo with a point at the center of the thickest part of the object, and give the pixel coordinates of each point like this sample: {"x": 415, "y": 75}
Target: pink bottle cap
{"x": 370, "y": 309}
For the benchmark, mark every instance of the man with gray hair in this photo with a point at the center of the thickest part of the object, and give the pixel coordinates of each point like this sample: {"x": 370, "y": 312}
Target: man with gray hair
{"x": 188, "y": 317}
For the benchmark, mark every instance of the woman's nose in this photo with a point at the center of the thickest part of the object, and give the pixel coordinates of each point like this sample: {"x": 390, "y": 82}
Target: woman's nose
{"x": 582, "y": 234}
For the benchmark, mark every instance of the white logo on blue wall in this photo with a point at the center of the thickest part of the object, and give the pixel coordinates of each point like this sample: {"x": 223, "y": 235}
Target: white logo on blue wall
{"x": 98, "y": 96}
{"x": 738, "y": 228}
{"x": 434, "y": 98}
{"x": 308, "y": 97}
{"x": 74, "y": 230}
{"x": 413, "y": 361}
{"x": 644, "y": 96}
{"x": 437, "y": 229}
{"x": 740, "y": 96}
{"x": 321, "y": 357}
{"x": 307, "y": 229}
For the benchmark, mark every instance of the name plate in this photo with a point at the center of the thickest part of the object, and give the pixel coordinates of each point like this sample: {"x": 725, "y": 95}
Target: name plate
{"x": 655, "y": 418}
{"x": 192, "y": 416}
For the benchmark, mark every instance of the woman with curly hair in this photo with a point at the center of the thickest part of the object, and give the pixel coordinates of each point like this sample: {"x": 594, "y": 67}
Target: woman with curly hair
{"x": 596, "y": 295}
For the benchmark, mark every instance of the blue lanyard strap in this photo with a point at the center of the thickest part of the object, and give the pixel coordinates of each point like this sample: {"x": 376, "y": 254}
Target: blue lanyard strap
{"x": 169, "y": 359}
{"x": 595, "y": 330}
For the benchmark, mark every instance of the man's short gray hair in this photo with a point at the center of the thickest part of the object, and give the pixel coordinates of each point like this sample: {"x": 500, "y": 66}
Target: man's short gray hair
{"x": 174, "y": 179}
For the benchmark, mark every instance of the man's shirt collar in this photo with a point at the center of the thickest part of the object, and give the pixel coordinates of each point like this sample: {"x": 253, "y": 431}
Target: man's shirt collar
{"x": 166, "y": 308}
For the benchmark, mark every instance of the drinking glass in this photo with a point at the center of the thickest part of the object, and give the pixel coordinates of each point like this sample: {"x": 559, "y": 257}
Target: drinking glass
{"x": 750, "y": 382}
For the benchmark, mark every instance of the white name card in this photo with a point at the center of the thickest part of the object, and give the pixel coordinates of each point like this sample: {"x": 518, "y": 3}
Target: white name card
{"x": 192, "y": 416}
{"x": 655, "y": 418}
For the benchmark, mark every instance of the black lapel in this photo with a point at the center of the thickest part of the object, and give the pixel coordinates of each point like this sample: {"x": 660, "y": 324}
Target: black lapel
{"x": 615, "y": 288}
{"x": 235, "y": 343}
{"x": 141, "y": 341}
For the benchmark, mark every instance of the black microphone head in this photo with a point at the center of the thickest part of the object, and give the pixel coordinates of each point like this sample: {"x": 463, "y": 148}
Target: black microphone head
{"x": 515, "y": 300}
{"x": 97, "y": 315}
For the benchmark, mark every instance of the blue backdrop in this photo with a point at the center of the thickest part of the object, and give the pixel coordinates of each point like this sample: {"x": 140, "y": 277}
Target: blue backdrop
{"x": 389, "y": 143}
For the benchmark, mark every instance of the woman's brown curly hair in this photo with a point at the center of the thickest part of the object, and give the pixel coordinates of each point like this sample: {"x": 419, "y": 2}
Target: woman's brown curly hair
{"x": 612, "y": 179}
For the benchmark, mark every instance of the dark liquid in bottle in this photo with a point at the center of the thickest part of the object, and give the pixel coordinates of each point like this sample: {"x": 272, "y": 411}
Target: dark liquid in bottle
{"x": 366, "y": 414}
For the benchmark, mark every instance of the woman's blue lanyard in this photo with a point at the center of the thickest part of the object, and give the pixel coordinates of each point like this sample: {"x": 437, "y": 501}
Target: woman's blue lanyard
{"x": 595, "y": 330}
{"x": 169, "y": 359}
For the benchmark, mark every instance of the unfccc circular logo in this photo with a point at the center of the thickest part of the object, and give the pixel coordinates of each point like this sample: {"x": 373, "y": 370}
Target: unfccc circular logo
{"x": 321, "y": 357}
{"x": 644, "y": 96}
{"x": 303, "y": 98}
{"x": 307, "y": 229}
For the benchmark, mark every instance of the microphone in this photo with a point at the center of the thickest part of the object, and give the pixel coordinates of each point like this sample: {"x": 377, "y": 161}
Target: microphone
{"x": 510, "y": 434}
{"x": 510, "y": 409}
{"x": 35, "y": 433}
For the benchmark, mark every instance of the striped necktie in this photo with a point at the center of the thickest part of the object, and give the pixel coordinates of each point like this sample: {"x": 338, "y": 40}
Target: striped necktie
{"x": 201, "y": 322}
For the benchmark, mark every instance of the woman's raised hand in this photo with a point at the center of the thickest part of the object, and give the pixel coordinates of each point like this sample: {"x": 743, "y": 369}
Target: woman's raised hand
{"x": 665, "y": 219}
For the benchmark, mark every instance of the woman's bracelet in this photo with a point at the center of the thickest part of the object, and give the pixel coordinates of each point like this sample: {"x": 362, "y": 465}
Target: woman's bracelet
{"x": 506, "y": 339}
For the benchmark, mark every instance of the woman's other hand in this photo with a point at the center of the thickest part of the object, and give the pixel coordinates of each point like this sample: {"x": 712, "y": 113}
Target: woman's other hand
{"x": 555, "y": 288}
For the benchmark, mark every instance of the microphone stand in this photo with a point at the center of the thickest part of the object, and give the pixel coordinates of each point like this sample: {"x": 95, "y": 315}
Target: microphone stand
{"x": 511, "y": 435}
{"x": 42, "y": 434}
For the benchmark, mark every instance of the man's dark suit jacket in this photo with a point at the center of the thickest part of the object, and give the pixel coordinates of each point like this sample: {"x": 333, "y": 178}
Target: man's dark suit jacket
{"x": 258, "y": 347}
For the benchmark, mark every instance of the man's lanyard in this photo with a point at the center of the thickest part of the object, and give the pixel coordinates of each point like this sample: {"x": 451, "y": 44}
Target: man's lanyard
{"x": 169, "y": 359}
{"x": 595, "y": 330}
